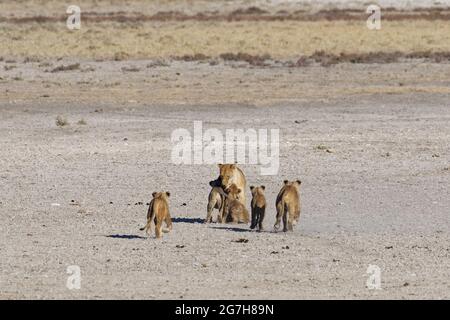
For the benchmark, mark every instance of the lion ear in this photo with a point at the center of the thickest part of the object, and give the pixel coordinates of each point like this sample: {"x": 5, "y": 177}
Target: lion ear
{"x": 286, "y": 181}
{"x": 154, "y": 194}
{"x": 220, "y": 165}
{"x": 168, "y": 193}
{"x": 252, "y": 187}
{"x": 299, "y": 182}
{"x": 233, "y": 166}
{"x": 263, "y": 187}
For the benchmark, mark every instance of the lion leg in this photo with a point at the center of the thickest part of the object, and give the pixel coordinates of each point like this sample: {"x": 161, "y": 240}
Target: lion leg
{"x": 209, "y": 209}
{"x": 290, "y": 224}
{"x": 220, "y": 206}
{"x": 296, "y": 216}
{"x": 225, "y": 217}
{"x": 168, "y": 222}
{"x": 262, "y": 212}
{"x": 254, "y": 218}
{"x": 285, "y": 219}
{"x": 225, "y": 213}
{"x": 158, "y": 228}
{"x": 291, "y": 217}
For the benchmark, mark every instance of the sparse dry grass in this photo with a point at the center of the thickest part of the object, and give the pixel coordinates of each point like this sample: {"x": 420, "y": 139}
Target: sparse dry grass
{"x": 158, "y": 63}
{"x": 130, "y": 69}
{"x": 61, "y": 121}
{"x": 322, "y": 147}
{"x": 69, "y": 67}
{"x": 288, "y": 39}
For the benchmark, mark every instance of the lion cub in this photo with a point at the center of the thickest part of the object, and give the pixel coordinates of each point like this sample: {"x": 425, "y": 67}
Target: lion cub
{"x": 288, "y": 205}
{"x": 216, "y": 200}
{"x": 258, "y": 207}
{"x": 158, "y": 212}
{"x": 234, "y": 210}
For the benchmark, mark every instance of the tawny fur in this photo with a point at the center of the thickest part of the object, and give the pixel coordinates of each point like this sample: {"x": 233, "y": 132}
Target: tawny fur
{"x": 258, "y": 206}
{"x": 288, "y": 205}
{"x": 231, "y": 174}
{"x": 158, "y": 212}
{"x": 216, "y": 200}
{"x": 234, "y": 211}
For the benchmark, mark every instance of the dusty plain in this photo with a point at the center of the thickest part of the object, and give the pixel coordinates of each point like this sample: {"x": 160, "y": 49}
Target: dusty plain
{"x": 370, "y": 142}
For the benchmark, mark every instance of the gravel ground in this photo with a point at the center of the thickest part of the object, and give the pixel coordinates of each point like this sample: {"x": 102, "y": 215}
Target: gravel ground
{"x": 76, "y": 195}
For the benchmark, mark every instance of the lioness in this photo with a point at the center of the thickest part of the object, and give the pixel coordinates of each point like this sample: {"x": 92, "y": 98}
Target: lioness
{"x": 158, "y": 212}
{"x": 288, "y": 205}
{"x": 258, "y": 207}
{"x": 231, "y": 174}
{"x": 234, "y": 210}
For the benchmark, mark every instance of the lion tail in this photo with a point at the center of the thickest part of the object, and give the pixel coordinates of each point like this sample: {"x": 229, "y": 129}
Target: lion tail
{"x": 150, "y": 218}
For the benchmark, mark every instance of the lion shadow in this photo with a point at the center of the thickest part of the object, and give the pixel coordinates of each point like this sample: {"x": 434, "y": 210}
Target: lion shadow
{"x": 188, "y": 220}
{"x": 234, "y": 229}
{"x": 125, "y": 236}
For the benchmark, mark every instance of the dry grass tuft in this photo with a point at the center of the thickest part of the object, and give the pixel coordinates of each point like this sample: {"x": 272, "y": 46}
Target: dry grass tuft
{"x": 119, "y": 56}
{"x": 323, "y": 148}
{"x": 254, "y": 60}
{"x": 69, "y": 67}
{"x": 31, "y": 59}
{"x": 195, "y": 57}
{"x": 130, "y": 69}
{"x": 158, "y": 63}
{"x": 61, "y": 121}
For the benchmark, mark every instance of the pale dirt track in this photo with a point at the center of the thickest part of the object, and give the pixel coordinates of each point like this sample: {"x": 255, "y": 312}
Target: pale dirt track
{"x": 380, "y": 197}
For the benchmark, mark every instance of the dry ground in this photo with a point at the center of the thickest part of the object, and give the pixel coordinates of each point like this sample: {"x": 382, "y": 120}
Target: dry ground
{"x": 76, "y": 194}
{"x": 380, "y": 197}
